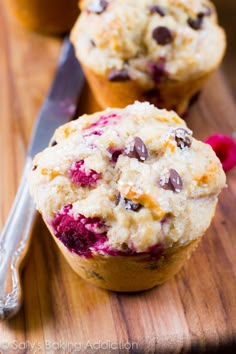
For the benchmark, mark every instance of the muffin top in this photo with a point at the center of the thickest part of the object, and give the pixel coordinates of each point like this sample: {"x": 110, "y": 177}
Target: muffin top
{"x": 149, "y": 40}
{"x": 129, "y": 180}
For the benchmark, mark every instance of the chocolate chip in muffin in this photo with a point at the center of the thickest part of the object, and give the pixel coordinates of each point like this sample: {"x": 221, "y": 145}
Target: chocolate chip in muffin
{"x": 92, "y": 43}
{"x": 34, "y": 167}
{"x": 138, "y": 150}
{"x": 182, "y": 138}
{"x": 98, "y": 6}
{"x": 53, "y": 143}
{"x": 196, "y": 23}
{"x": 176, "y": 181}
{"x": 115, "y": 153}
{"x": 118, "y": 75}
{"x": 130, "y": 205}
{"x": 171, "y": 181}
{"x": 162, "y": 35}
{"x": 157, "y": 9}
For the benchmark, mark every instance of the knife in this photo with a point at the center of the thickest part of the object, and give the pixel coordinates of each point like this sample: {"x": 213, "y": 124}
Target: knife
{"x": 59, "y": 107}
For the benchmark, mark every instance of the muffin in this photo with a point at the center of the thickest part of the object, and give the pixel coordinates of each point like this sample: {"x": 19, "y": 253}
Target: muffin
{"x": 161, "y": 51}
{"x": 127, "y": 194}
{"x": 48, "y": 17}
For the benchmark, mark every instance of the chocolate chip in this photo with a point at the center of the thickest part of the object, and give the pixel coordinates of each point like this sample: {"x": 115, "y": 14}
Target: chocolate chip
{"x": 115, "y": 153}
{"x": 118, "y": 75}
{"x": 92, "y": 43}
{"x": 172, "y": 181}
{"x": 139, "y": 150}
{"x": 165, "y": 182}
{"x": 157, "y": 9}
{"x": 130, "y": 205}
{"x": 196, "y": 23}
{"x": 162, "y": 35}
{"x": 176, "y": 181}
{"x": 182, "y": 138}
{"x": 98, "y": 6}
{"x": 53, "y": 143}
{"x": 34, "y": 167}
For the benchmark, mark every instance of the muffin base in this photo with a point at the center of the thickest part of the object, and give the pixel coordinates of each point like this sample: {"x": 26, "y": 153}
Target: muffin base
{"x": 128, "y": 273}
{"x": 172, "y": 95}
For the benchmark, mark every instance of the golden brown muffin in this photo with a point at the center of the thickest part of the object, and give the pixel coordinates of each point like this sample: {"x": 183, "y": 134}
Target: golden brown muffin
{"x": 127, "y": 194}
{"x": 162, "y": 51}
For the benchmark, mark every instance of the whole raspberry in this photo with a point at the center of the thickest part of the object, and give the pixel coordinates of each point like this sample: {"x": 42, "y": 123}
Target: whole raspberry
{"x": 225, "y": 149}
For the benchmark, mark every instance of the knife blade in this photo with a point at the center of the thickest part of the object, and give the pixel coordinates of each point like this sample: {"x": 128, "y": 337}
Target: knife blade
{"x": 61, "y": 102}
{"x": 59, "y": 107}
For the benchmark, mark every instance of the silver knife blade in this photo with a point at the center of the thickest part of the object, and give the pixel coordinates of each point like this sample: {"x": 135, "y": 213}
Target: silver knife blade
{"x": 58, "y": 108}
{"x": 61, "y": 101}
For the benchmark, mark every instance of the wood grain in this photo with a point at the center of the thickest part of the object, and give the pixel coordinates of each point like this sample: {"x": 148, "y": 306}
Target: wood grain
{"x": 194, "y": 312}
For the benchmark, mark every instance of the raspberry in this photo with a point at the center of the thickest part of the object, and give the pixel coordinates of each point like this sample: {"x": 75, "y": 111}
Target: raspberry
{"x": 156, "y": 251}
{"x": 157, "y": 70}
{"x": 111, "y": 118}
{"x": 94, "y": 132}
{"x": 81, "y": 177}
{"x": 80, "y": 234}
{"x": 225, "y": 149}
{"x": 84, "y": 235}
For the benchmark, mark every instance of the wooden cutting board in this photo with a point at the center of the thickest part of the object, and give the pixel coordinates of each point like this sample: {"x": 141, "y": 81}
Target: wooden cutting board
{"x": 196, "y": 311}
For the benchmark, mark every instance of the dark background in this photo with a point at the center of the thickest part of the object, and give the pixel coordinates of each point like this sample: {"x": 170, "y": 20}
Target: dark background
{"x": 227, "y": 18}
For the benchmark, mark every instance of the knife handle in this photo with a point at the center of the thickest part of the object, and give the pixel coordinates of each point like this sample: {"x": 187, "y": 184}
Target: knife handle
{"x": 14, "y": 243}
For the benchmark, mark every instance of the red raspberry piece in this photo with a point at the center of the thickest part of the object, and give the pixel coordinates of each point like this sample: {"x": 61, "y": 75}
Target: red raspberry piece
{"x": 225, "y": 149}
{"x": 84, "y": 235}
{"x": 111, "y": 118}
{"x": 79, "y": 234}
{"x": 158, "y": 70}
{"x": 156, "y": 251}
{"x": 95, "y": 132}
{"x": 81, "y": 177}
